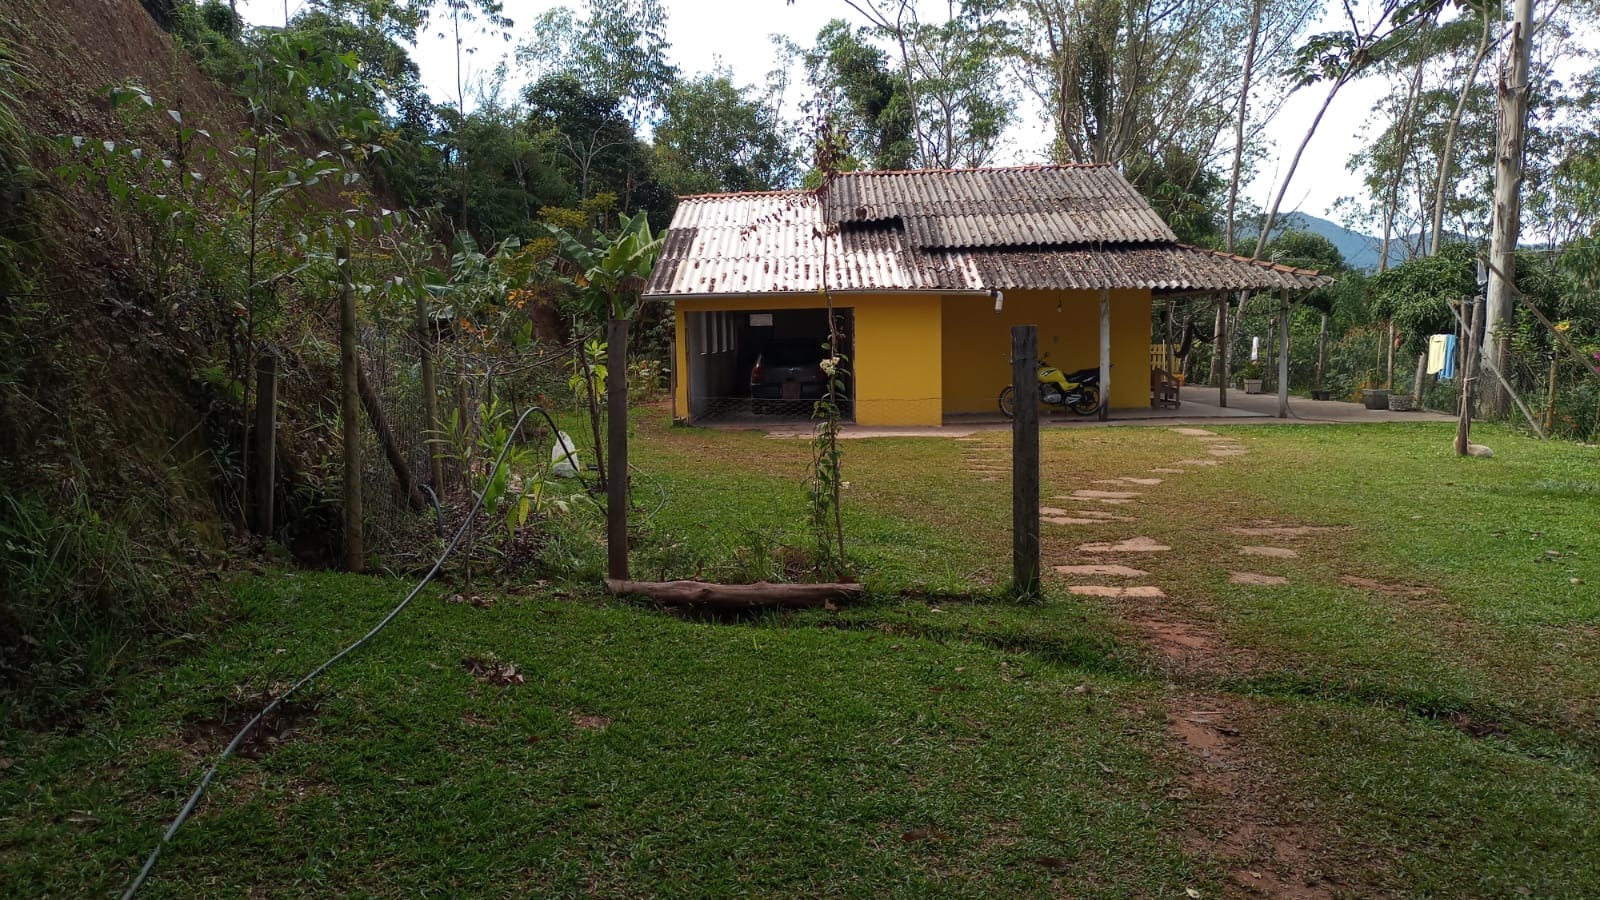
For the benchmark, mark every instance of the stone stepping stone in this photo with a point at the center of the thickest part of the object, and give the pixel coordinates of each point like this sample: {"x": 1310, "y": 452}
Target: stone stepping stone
{"x": 1145, "y": 591}
{"x": 1216, "y": 437}
{"x": 1068, "y": 520}
{"x": 1086, "y": 513}
{"x": 1256, "y": 579}
{"x": 1131, "y": 545}
{"x": 1198, "y": 462}
{"x": 1227, "y": 451}
{"x": 1110, "y": 570}
{"x": 1087, "y": 494}
{"x": 1053, "y": 511}
{"x": 1274, "y": 552}
{"x": 1194, "y": 432}
{"x": 1169, "y": 471}
{"x": 1148, "y": 482}
{"x": 1278, "y": 530}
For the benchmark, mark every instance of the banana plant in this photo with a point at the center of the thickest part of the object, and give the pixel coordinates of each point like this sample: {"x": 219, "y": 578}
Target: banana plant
{"x": 609, "y": 278}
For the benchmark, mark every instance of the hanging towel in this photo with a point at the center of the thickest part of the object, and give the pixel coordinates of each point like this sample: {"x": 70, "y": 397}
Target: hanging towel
{"x": 1436, "y": 353}
{"x": 1449, "y": 370}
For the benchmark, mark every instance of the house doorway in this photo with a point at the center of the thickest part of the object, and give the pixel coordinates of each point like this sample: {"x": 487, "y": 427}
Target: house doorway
{"x": 761, "y": 366}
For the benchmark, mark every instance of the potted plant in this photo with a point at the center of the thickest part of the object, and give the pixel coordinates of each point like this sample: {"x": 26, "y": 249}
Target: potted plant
{"x": 1372, "y": 396}
{"x": 1251, "y": 376}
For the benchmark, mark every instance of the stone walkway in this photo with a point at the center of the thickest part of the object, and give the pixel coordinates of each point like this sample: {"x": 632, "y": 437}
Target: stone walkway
{"x": 1117, "y": 581}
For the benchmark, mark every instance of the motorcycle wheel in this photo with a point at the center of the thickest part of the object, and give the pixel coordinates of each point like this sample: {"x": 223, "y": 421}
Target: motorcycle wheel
{"x": 1090, "y": 404}
{"x": 1008, "y": 399}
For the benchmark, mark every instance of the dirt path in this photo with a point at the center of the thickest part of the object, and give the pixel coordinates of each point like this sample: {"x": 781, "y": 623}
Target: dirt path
{"x": 1234, "y": 815}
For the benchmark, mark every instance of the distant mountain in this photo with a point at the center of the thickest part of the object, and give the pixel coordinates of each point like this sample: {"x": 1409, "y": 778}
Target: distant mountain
{"x": 1360, "y": 250}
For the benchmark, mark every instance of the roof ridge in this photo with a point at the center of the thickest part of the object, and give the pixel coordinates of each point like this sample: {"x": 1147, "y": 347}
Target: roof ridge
{"x": 1250, "y": 259}
{"x": 783, "y": 192}
{"x": 1027, "y": 167}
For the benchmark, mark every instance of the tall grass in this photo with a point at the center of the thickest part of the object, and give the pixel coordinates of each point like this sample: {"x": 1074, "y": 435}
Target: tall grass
{"x": 78, "y": 589}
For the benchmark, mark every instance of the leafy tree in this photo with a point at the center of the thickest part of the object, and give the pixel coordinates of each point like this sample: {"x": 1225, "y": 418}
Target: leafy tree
{"x": 595, "y": 146}
{"x": 618, "y": 50}
{"x": 714, "y": 136}
{"x": 870, "y": 104}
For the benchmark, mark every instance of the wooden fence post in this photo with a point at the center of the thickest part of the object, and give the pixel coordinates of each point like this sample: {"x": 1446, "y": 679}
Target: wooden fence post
{"x": 266, "y": 439}
{"x": 432, "y": 431}
{"x": 1025, "y": 460}
{"x": 617, "y": 449}
{"x": 355, "y": 557}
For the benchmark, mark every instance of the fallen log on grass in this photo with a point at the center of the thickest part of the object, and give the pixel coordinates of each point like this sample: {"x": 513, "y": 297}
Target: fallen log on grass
{"x": 760, "y": 595}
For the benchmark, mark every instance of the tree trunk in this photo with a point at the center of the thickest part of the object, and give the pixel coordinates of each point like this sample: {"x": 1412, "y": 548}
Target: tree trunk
{"x": 1447, "y": 154}
{"x": 1513, "y": 95}
{"x": 391, "y": 450}
{"x": 1239, "y": 122}
{"x": 736, "y": 596}
{"x": 355, "y": 557}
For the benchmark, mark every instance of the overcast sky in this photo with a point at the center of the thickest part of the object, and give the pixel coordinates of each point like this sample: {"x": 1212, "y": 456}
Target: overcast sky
{"x": 737, "y": 33}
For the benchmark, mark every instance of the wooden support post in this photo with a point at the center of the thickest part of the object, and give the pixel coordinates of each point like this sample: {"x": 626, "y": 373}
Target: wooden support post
{"x": 266, "y": 440}
{"x": 432, "y": 429}
{"x": 1025, "y": 526}
{"x": 1322, "y": 351}
{"x": 1221, "y": 344}
{"x": 1105, "y": 355}
{"x": 1549, "y": 400}
{"x": 1416, "y": 385}
{"x": 1474, "y": 319}
{"x": 617, "y": 449}
{"x": 355, "y": 556}
{"x": 1283, "y": 355}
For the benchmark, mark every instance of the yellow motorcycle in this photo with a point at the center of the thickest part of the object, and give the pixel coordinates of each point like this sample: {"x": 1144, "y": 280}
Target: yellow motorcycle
{"x": 1078, "y": 391}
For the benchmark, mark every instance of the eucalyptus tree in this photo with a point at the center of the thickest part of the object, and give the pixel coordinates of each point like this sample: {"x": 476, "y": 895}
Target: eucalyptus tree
{"x": 1120, "y": 77}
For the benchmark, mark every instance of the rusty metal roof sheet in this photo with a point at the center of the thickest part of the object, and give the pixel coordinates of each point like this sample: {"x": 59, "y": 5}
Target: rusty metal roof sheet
{"x": 1003, "y": 207}
{"x": 764, "y": 243}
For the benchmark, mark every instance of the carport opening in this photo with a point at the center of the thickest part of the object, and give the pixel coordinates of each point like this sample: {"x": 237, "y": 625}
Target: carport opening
{"x": 726, "y": 347}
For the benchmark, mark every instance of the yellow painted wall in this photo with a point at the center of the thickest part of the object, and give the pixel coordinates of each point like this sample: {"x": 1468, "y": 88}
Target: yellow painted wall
{"x": 898, "y": 364}
{"x": 977, "y": 343}
{"x": 919, "y": 358}
{"x": 897, "y": 367}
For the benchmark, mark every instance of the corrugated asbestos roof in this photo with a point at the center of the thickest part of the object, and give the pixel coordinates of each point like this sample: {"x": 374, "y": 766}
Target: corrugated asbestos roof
{"x": 776, "y": 242}
{"x": 1015, "y": 207}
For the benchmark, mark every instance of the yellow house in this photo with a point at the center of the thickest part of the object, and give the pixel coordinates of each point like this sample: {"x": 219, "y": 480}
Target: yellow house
{"x": 927, "y": 271}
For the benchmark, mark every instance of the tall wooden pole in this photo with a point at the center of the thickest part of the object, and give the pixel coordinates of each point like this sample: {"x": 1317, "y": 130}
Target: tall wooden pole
{"x": 1222, "y": 342}
{"x": 266, "y": 434}
{"x": 1512, "y": 94}
{"x": 355, "y": 556}
{"x": 432, "y": 431}
{"x": 1474, "y": 316}
{"x": 1283, "y": 355}
{"x": 617, "y": 449}
{"x": 1105, "y": 355}
{"x": 1025, "y": 540}
{"x": 1322, "y": 350}
{"x": 1549, "y": 400}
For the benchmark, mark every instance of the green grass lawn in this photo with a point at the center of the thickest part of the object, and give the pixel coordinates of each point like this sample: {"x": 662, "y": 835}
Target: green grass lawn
{"x": 1428, "y": 730}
